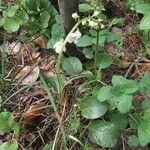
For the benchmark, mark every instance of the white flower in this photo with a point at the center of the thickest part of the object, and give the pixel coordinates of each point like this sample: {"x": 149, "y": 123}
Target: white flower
{"x": 93, "y": 24}
{"x": 58, "y": 46}
{"x": 96, "y": 13}
{"x": 75, "y": 15}
{"x": 73, "y": 37}
{"x": 102, "y": 26}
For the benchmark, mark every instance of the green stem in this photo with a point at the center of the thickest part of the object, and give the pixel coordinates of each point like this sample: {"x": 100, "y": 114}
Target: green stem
{"x": 96, "y": 52}
{"x": 60, "y": 56}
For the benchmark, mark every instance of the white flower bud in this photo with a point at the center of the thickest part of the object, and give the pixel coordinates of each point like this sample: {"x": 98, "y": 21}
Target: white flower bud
{"x": 58, "y": 46}
{"x": 102, "y": 26}
{"x": 84, "y": 22}
{"x": 96, "y": 13}
{"x": 75, "y": 15}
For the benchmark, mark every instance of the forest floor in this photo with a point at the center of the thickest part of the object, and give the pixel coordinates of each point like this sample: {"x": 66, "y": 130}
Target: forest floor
{"x": 30, "y": 104}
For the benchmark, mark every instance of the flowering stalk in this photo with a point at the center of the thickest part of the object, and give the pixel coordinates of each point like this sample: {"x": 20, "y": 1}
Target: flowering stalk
{"x": 96, "y": 51}
{"x": 60, "y": 56}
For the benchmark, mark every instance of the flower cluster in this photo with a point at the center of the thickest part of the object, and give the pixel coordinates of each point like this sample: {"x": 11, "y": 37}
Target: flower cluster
{"x": 94, "y": 21}
{"x": 71, "y": 38}
{"x": 74, "y": 37}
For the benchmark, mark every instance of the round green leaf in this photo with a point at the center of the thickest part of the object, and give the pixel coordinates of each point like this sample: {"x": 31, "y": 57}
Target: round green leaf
{"x": 124, "y": 103}
{"x": 104, "y": 93}
{"x": 11, "y": 25}
{"x": 103, "y": 61}
{"x": 72, "y": 65}
{"x": 124, "y": 85}
{"x": 103, "y": 133}
{"x": 84, "y": 7}
{"x": 91, "y": 108}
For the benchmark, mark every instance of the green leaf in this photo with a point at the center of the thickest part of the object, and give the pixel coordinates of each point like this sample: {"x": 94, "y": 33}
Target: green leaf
{"x": 88, "y": 52}
{"x": 91, "y": 108}
{"x": 124, "y": 85}
{"x": 143, "y": 8}
{"x": 133, "y": 141}
{"x": 145, "y": 22}
{"x": 103, "y": 61}
{"x": 104, "y": 93}
{"x": 124, "y": 103}
{"x": 118, "y": 21}
{"x": 84, "y": 7}
{"x": 12, "y": 10}
{"x": 134, "y": 120}
{"x": 74, "y": 124}
{"x": 84, "y": 41}
{"x": 119, "y": 120}
{"x": 144, "y": 133}
{"x": 103, "y": 133}
{"x": 48, "y": 146}
{"x": 72, "y": 65}
{"x": 2, "y": 21}
{"x": 13, "y": 145}
{"x": 11, "y": 24}
{"x": 146, "y": 115}
{"x": 44, "y": 18}
{"x": 146, "y": 104}
{"x": 144, "y": 83}
{"x": 7, "y": 123}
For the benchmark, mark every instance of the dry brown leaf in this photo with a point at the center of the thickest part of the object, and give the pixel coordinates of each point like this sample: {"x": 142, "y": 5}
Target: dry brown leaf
{"x": 41, "y": 41}
{"x": 14, "y": 48}
{"x": 34, "y": 110}
{"x": 141, "y": 68}
{"x": 28, "y": 74}
{"x": 23, "y": 72}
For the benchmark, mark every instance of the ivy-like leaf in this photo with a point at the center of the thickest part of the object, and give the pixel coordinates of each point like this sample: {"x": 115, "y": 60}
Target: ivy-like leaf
{"x": 91, "y": 108}
{"x": 103, "y": 133}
